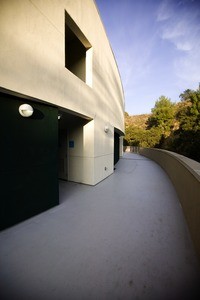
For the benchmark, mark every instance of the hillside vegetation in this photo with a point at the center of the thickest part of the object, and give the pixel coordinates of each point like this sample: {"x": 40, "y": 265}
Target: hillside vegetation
{"x": 138, "y": 121}
{"x": 170, "y": 126}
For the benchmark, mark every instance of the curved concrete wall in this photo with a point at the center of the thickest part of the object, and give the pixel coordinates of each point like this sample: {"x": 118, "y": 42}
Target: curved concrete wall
{"x": 185, "y": 175}
{"x": 32, "y": 64}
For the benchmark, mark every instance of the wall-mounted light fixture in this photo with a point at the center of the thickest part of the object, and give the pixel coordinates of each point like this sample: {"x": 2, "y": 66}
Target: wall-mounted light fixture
{"x": 106, "y": 129}
{"x": 25, "y": 110}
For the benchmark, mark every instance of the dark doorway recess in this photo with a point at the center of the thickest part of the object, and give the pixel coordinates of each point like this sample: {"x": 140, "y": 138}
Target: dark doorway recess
{"x": 116, "y": 147}
{"x": 28, "y": 151}
{"x": 68, "y": 122}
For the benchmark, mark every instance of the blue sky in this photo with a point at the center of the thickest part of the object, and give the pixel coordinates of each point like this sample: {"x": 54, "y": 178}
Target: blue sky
{"x": 157, "y": 48}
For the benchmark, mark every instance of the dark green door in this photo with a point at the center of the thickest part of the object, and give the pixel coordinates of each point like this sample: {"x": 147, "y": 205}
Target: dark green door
{"x": 28, "y": 152}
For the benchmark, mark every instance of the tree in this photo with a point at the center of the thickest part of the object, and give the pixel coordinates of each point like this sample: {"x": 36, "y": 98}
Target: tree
{"x": 188, "y": 135}
{"x": 126, "y": 115}
{"x": 186, "y": 95}
{"x": 174, "y": 127}
{"x": 143, "y": 138}
{"x": 163, "y": 115}
{"x": 188, "y": 114}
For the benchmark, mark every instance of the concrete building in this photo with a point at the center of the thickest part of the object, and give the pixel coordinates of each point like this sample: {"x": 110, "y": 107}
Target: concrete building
{"x": 56, "y": 58}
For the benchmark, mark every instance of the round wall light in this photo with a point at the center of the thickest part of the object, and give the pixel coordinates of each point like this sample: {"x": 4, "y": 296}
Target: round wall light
{"x": 106, "y": 129}
{"x": 25, "y": 110}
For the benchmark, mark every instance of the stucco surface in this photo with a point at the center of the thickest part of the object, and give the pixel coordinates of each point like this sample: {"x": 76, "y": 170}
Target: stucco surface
{"x": 125, "y": 238}
{"x": 32, "y": 64}
{"x": 33, "y": 58}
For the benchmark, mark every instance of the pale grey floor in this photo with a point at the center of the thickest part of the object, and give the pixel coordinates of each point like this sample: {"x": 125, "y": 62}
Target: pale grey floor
{"x": 125, "y": 238}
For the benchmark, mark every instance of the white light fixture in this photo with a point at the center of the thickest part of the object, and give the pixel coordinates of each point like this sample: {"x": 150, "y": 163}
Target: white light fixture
{"x": 106, "y": 129}
{"x": 25, "y": 110}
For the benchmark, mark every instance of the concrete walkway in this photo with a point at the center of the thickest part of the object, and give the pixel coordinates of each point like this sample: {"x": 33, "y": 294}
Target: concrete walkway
{"x": 125, "y": 238}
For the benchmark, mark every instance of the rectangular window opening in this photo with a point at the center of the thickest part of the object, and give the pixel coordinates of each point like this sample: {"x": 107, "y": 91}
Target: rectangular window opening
{"x": 78, "y": 51}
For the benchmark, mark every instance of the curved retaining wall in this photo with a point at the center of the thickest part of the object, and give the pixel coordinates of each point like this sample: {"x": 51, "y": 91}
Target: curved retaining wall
{"x": 185, "y": 175}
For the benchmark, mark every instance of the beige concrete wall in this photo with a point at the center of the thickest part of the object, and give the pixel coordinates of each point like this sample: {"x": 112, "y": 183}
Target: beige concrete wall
{"x": 185, "y": 175}
{"x": 32, "y": 63}
{"x": 121, "y": 147}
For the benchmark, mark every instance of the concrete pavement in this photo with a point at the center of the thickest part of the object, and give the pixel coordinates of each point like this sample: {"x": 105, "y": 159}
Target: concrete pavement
{"x": 125, "y": 238}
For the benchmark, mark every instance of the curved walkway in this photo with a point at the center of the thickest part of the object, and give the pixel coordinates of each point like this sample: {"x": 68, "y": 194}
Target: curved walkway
{"x": 125, "y": 238}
